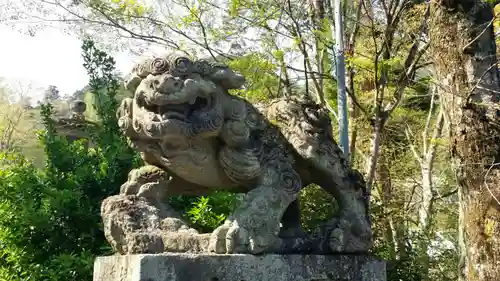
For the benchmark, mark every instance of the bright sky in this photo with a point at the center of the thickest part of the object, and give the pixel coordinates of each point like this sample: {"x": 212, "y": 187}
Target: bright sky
{"x": 52, "y": 57}
{"x": 48, "y": 58}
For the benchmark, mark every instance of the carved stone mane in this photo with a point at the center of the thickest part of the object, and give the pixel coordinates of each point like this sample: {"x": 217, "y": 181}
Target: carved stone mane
{"x": 195, "y": 137}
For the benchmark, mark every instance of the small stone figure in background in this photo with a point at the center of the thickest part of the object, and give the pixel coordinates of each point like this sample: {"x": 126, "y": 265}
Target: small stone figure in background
{"x": 77, "y": 109}
{"x": 75, "y": 126}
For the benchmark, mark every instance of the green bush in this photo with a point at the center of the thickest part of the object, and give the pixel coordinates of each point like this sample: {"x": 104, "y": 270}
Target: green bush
{"x": 317, "y": 207}
{"x": 50, "y": 225}
{"x": 206, "y": 213}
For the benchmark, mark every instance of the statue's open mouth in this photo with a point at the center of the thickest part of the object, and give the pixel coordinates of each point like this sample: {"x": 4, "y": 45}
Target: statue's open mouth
{"x": 182, "y": 111}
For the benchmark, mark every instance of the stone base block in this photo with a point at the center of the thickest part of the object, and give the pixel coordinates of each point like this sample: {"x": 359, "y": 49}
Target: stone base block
{"x": 207, "y": 267}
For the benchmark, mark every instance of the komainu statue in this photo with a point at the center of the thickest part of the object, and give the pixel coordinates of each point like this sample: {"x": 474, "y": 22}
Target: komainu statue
{"x": 75, "y": 126}
{"x": 196, "y": 137}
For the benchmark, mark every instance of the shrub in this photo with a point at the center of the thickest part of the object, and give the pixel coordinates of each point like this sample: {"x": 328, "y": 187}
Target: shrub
{"x": 50, "y": 225}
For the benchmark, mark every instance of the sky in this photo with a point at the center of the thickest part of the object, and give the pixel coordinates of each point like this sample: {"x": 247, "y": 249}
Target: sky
{"x": 53, "y": 57}
{"x": 48, "y": 58}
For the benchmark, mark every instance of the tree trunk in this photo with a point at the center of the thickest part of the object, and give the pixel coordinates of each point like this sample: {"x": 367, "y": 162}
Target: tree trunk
{"x": 353, "y": 107}
{"x": 464, "y": 52}
{"x": 375, "y": 143}
{"x": 426, "y": 210}
{"x": 384, "y": 187}
{"x": 394, "y": 229}
{"x": 425, "y": 217}
{"x": 318, "y": 16}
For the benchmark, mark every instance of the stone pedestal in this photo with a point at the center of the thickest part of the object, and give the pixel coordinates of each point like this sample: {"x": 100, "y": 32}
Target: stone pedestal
{"x": 206, "y": 267}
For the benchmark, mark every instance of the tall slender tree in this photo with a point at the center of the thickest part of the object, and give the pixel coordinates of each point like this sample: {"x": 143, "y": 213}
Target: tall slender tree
{"x": 463, "y": 46}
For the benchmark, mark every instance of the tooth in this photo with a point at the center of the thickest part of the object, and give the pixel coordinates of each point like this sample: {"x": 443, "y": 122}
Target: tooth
{"x": 192, "y": 101}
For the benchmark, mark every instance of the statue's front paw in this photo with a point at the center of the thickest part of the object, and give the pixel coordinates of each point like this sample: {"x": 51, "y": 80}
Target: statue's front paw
{"x": 231, "y": 238}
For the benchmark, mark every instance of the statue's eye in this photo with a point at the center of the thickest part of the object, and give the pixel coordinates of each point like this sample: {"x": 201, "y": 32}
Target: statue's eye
{"x": 182, "y": 64}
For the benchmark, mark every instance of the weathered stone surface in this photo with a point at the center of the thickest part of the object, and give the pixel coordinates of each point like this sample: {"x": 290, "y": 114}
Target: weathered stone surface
{"x": 192, "y": 267}
{"x": 194, "y": 137}
{"x": 137, "y": 225}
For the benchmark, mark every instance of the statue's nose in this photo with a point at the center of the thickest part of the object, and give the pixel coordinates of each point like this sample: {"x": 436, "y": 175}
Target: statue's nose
{"x": 166, "y": 83}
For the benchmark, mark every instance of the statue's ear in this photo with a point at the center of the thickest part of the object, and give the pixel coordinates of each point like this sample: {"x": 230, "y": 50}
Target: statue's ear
{"x": 131, "y": 82}
{"x": 220, "y": 73}
{"x": 227, "y": 78}
{"x": 139, "y": 72}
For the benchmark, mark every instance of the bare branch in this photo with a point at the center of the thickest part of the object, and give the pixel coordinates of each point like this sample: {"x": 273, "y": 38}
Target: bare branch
{"x": 411, "y": 61}
{"x": 486, "y": 183}
{"x": 409, "y": 137}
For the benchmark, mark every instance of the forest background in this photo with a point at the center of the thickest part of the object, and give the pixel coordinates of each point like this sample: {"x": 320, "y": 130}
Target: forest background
{"x": 399, "y": 58}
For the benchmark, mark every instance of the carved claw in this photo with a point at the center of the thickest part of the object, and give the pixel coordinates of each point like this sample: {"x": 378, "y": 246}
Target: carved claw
{"x": 230, "y": 238}
{"x": 218, "y": 239}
